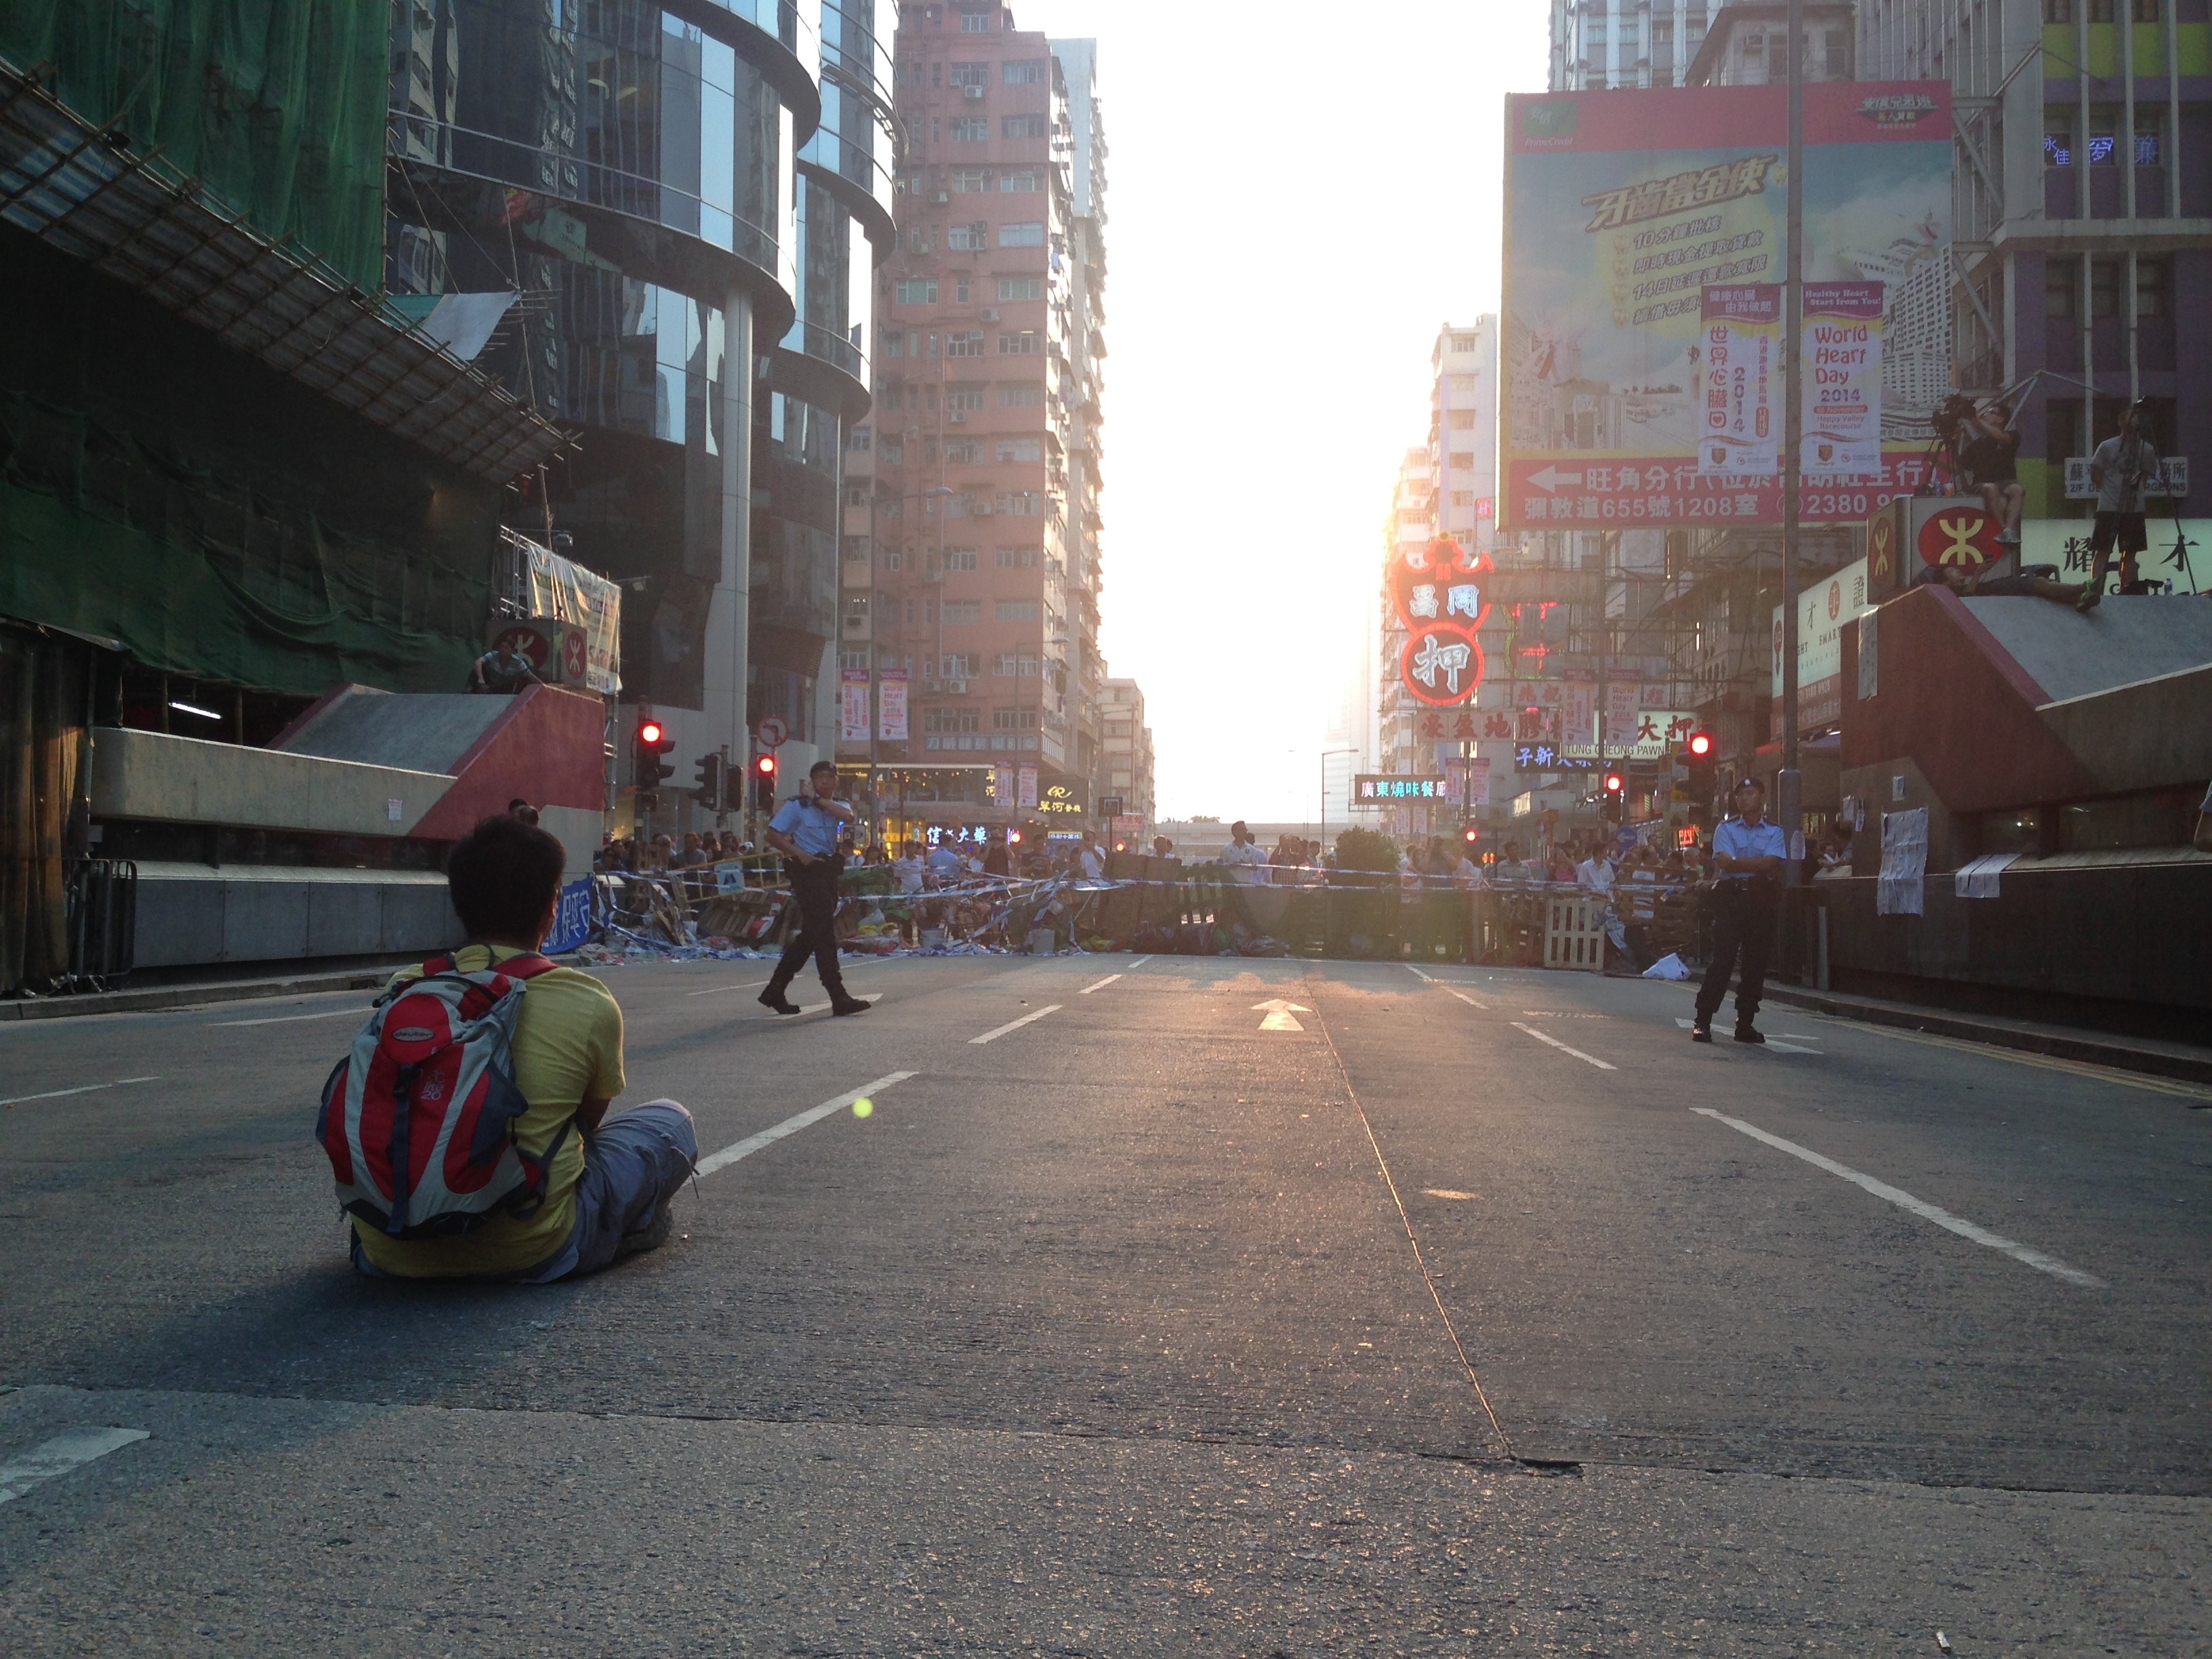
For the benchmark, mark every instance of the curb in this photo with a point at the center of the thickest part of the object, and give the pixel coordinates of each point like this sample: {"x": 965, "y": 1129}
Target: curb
{"x": 190, "y": 996}
{"x": 2058, "y": 1045}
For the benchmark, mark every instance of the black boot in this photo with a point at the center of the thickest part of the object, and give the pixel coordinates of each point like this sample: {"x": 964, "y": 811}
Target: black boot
{"x": 841, "y": 1002}
{"x": 773, "y": 1000}
{"x": 1745, "y": 1032}
{"x": 1701, "y": 1030}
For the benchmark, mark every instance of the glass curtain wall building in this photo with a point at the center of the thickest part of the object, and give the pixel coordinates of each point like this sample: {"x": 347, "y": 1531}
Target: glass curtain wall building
{"x": 669, "y": 193}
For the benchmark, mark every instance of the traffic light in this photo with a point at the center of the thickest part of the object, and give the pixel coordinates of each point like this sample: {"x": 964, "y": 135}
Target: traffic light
{"x": 708, "y": 790}
{"x": 764, "y": 782}
{"x": 1699, "y": 783}
{"x": 1471, "y": 833}
{"x": 1613, "y": 808}
{"x": 652, "y": 743}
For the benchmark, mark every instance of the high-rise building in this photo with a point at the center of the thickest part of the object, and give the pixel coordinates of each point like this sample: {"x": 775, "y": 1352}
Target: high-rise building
{"x": 1596, "y": 44}
{"x": 984, "y": 564}
{"x": 1126, "y": 766}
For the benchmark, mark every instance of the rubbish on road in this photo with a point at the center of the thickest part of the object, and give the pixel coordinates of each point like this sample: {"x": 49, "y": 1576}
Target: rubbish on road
{"x": 1669, "y": 966}
{"x": 1942, "y": 1642}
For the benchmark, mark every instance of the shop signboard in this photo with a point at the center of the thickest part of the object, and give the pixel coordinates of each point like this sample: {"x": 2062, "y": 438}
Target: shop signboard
{"x": 1386, "y": 789}
{"x": 1632, "y": 217}
{"x": 1826, "y": 606}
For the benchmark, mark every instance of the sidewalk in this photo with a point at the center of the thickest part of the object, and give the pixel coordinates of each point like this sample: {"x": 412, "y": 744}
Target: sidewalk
{"x": 2182, "y": 1060}
{"x": 155, "y": 997}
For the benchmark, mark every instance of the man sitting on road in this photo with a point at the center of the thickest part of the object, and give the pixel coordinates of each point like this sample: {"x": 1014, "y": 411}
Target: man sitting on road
{"x": 607, "y": 1195}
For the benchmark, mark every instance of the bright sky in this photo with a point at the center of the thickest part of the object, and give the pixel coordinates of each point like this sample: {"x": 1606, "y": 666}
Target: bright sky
{"x": 1298, "y": 197}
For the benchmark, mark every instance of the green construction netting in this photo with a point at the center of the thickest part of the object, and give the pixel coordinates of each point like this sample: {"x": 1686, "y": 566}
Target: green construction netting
{"x": 277, "y": 106}
{"x": 198, "y": 573}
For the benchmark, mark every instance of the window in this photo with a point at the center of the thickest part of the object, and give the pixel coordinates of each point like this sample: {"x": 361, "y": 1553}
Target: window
{"x": 2101, "y": 11}
{"x": 1020, "y": 504}
{"x": 920, "y": 241}
{"x": 1013, "y": 719}
{"x": 1020, "y": 394}
{"x": 971, "y": 239}
{"x": 970, "y": 181}
{"x": 856, "y": 495}
{"x": 2058, "y": 150}
{"x": 893, "y": 451}
{"x": 959, "y": 612}
{"x": 892, "y": 558}
{"x": 952, "y": 720}
{"x": 963, "y": 399}
{"x": 969, "y": 75}
{"x": 1026, "y": 74}
{"x": 2057, "y": 11}
{"x": 2146, "y": 11}
{"x": 970, "y": 129}
{"x": 2100, "y": 149}
{"x": 1463, "y": 498}
{"x": 1019, "y": 610}
{"x": 975, "y": 20}
{"x": 960, "y": 291}
{"x": 2150, "y": 130}
{"x": 967, "y": 344}
{"x": 1462, "y": 420}
{"x": 1020, "y": 288}
{"x": 1025, "y": 126}
{"x": 963, "y": 452}
{"x": 1022, "y": 181}
{"x": 1462, "y": 461}
{"x": 1026, "y": 343}
{"x": 856, "y": 608}
{"x": 916, "y": 291}
{"x": 1021, "y": 449}
{"x": 959, "y": 558}
{"x": 966, "y": 665}
{"x": 856, "y": 442}
{"x": 1017, "y": 558}
{"x": 853, "y": 661}
{"x": 2105, "y": 288}
{"x": 1027, "y": 234}
{"x": 2152, "y": 279}
{"x": 1011, "y": 665}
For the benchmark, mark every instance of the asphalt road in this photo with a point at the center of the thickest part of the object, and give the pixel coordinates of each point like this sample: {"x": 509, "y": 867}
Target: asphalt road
{"x": 1481, "y": 1312}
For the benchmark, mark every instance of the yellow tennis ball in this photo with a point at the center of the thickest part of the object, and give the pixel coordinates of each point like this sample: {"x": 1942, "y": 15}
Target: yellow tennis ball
{"x": 863, "y": 1107}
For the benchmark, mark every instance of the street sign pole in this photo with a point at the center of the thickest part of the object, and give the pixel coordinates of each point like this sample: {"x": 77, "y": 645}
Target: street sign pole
{"x": 1789, "y": 782}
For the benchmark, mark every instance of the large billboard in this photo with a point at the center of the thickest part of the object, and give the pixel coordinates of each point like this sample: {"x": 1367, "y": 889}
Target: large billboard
{"x": 1643, "y": 249}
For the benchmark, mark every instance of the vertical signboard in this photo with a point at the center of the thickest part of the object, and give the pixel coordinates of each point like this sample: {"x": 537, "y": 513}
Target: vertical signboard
{"x": 852, "y": 706}
{"x": 1742, "y": 342}
{"x": 890, "y": 694}
{"x": 1633, "y": 215}
{"x": 1826, "y": 606}
{"x": 1842, "y": 385}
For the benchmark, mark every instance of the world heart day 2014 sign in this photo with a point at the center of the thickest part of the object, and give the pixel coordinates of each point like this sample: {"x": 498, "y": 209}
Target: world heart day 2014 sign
{"x": 1632, "y": 215}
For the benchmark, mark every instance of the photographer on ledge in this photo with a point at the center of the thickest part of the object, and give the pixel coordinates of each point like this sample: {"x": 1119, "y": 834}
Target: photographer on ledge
{"x": 1991, "y": 458}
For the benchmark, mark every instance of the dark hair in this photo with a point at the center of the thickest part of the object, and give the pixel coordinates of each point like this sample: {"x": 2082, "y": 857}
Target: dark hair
{"x": 820, "y": 767}
{"x": 502, "y": 874}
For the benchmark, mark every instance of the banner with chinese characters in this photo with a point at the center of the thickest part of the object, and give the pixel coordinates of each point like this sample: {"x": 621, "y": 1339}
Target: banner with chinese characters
{"x": 1650, "y": 734}
{"x": 1826, "y": 606}
{"x": 1390, "y": 789}
{"x": 1738, "y": 432}
{"x": 1624, "y": 207}
{"x": 1025, "y": 791}
{"x": 852, "y": 706}
{"x": 1437, "y": 591}
{"x": 890, "y": 698}
{"x": 1842, "y": 387}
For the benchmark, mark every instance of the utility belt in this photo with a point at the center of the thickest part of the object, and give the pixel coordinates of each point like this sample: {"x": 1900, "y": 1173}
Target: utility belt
{"x": 1749, "y": 889}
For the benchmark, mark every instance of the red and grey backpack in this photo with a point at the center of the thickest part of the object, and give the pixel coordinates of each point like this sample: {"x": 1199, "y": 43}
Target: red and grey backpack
{"x": 419, "y": 1119}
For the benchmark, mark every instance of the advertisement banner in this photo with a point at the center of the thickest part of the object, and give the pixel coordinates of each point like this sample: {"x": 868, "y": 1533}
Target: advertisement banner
{"x": 1742, "y": 350}
{"x": 890, "y": 695}
{"x": 561, "y": 588}
{"x": 1842, "y": 387}
{"x": 1826, "y": 606}
{"x": 1624, "y": 206}
{"x": 1478, "y": 782}
{"x": 852, "y": 706}
{"x": 1025, "y": 794}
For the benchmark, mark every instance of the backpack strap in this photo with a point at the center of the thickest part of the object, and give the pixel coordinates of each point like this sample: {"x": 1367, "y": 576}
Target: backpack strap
{"x": 527, "y": 966}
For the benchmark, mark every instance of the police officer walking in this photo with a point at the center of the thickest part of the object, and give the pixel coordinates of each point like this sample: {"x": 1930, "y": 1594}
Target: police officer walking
{"x": 1747, "y": 856}
{"x": 807, "y": 829}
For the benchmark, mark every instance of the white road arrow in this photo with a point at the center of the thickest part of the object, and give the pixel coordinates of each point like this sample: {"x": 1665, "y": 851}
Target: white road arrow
{"x": 1281, "y": 1016}
{"x": 1551, "y": 478}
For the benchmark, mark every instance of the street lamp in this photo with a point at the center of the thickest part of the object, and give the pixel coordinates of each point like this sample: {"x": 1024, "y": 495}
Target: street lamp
{"x": 1325, "y": 754}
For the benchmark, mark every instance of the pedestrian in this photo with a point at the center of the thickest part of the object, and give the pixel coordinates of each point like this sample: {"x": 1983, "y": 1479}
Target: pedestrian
{"x": 520, "y": 808}
{"x": 1246, "y": 864}
{"x": 807, "y": 829}
{"x": 1747, "y": 856}
{"x": 1090, "y": 862}
{"x": 2123, "y": 469}
{"x": 502, "y": 670}
{"x": 1162, "y": 847}
{"x": 995, "y": 860}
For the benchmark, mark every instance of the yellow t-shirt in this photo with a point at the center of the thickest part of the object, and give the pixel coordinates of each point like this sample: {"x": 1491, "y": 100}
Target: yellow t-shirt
{"x": 567, "y": 1049}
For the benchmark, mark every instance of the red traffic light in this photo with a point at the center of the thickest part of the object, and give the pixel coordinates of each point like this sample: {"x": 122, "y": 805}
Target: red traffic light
{"x": 1614, "y": 783}
{"x": 1013, "y": 838}
{"x": 649, "y": 731}
{"x": 1470, "y": 835}
{"x": 765, "y": 765}
{"x": 1701, "y": 744}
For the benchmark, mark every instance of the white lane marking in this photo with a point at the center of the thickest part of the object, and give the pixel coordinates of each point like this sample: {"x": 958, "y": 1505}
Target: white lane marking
{"x": 1101, "y": 986}
{"x": 287, "y": 1019}
{"x": 718, "y": 990}
{"x": 794, "y": 1124}
{"x": 1417, "y": 972}
{"x": 2034, "y": 1258}
{"x": 1774, "y": 1043}
{"x": 1592, "y": 1060}
{"x": 1137, "y": 963}
{"x": 1472, "y": 1002}
{"x": 58, "y": 1456}
{"x": 1016, "y": 1024}
{"x": 82, "y": 1089}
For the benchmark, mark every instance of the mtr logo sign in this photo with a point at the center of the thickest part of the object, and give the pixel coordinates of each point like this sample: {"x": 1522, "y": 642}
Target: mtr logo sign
{"x": 1963, "y": 536}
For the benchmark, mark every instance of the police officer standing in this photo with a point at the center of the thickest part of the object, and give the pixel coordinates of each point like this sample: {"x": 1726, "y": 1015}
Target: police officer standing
{"x": 807, "y": 831}
{"x": 1747, "y": 856}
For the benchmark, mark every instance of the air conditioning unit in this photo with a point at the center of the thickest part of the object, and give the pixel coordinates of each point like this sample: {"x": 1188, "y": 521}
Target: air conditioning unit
{"x": 958, "y": 416}
{"x": 992, "y": 315}
{"x": 941, "y": 198}
{"x": 955, "y": 688}
{"x": 974, "y": 94}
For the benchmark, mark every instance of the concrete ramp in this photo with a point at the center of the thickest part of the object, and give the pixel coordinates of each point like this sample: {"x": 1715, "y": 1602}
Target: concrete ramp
{"x": 427, "y": 733}
{"x": 2123, "y": 642}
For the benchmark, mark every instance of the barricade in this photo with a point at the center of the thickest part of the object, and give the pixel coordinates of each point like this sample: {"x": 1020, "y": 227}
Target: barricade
{"x": 1574, "y": 932}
